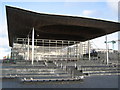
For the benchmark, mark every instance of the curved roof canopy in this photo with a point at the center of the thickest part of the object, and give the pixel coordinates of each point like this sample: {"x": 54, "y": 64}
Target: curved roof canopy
{"x": 48, "y": 26}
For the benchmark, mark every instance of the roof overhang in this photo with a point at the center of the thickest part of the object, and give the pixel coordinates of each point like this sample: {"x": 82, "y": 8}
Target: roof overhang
{"x": 20, "y": 23}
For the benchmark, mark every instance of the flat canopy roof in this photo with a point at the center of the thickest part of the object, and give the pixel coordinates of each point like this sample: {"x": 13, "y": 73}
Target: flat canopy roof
{"x": 48, "y": 26}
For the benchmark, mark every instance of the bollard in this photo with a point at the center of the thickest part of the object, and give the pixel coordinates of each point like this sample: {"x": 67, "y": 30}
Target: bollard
{"x": 54, "y": 62}
{"x": 61, "y": 65}
{"x": 80, "y": 68}
{"x": 64, "y": 67}
{"x": 24, "y": 78}
{"x": 75, "y": 65}
{"x": 31, "y": 78}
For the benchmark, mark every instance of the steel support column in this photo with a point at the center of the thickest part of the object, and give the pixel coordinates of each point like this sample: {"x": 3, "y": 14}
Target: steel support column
{"x": 107, "y": 60}
{"x": 62, "y": 52}
{"x": 89, "y": 49}
{"x": 28, "y": 49}
{"x": 32, "y": 45}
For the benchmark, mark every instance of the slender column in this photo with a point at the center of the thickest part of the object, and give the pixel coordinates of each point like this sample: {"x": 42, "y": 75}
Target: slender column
{"x": 32, "y": 45}
{"x": 49, "y": 50}
{"x": 43, "y": 50}
{"x": 36, "y": 50}
{"x": 56, "y": 50}
{"x": 89, "y": 49}
{"x": 25, "y": 48}
{"x": 106, "y": 51}
{"x": 78, "y": 52}
{"x": 74, "y": 51}
{"x": 68, "y": 56}
{"x": 62, "y": 53}
{"x": 81, "y": 48}
{"x": 28, "y": 47}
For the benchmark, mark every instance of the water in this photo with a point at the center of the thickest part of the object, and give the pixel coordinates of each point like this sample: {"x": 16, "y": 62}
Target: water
{"x": 88, "y": 82}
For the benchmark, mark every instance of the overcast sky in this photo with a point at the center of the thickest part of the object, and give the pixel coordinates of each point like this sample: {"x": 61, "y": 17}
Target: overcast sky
{"x": 100, "y": 9}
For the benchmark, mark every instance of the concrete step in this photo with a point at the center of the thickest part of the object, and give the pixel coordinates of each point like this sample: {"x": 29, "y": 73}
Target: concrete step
{"x": 100, "y": 69}
{"x": 38, "y": 73}
{"x": 94, "y": 74}
{"x": 101, "y": 72}
{"x": 33, "y": 70}
{"x": 36, "y": 76}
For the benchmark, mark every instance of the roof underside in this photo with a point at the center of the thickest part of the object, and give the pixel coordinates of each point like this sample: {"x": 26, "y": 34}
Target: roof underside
{"x": 47, "y": 26}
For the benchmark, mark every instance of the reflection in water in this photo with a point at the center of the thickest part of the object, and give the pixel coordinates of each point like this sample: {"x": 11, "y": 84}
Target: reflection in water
{"x": 55, "y": 82}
